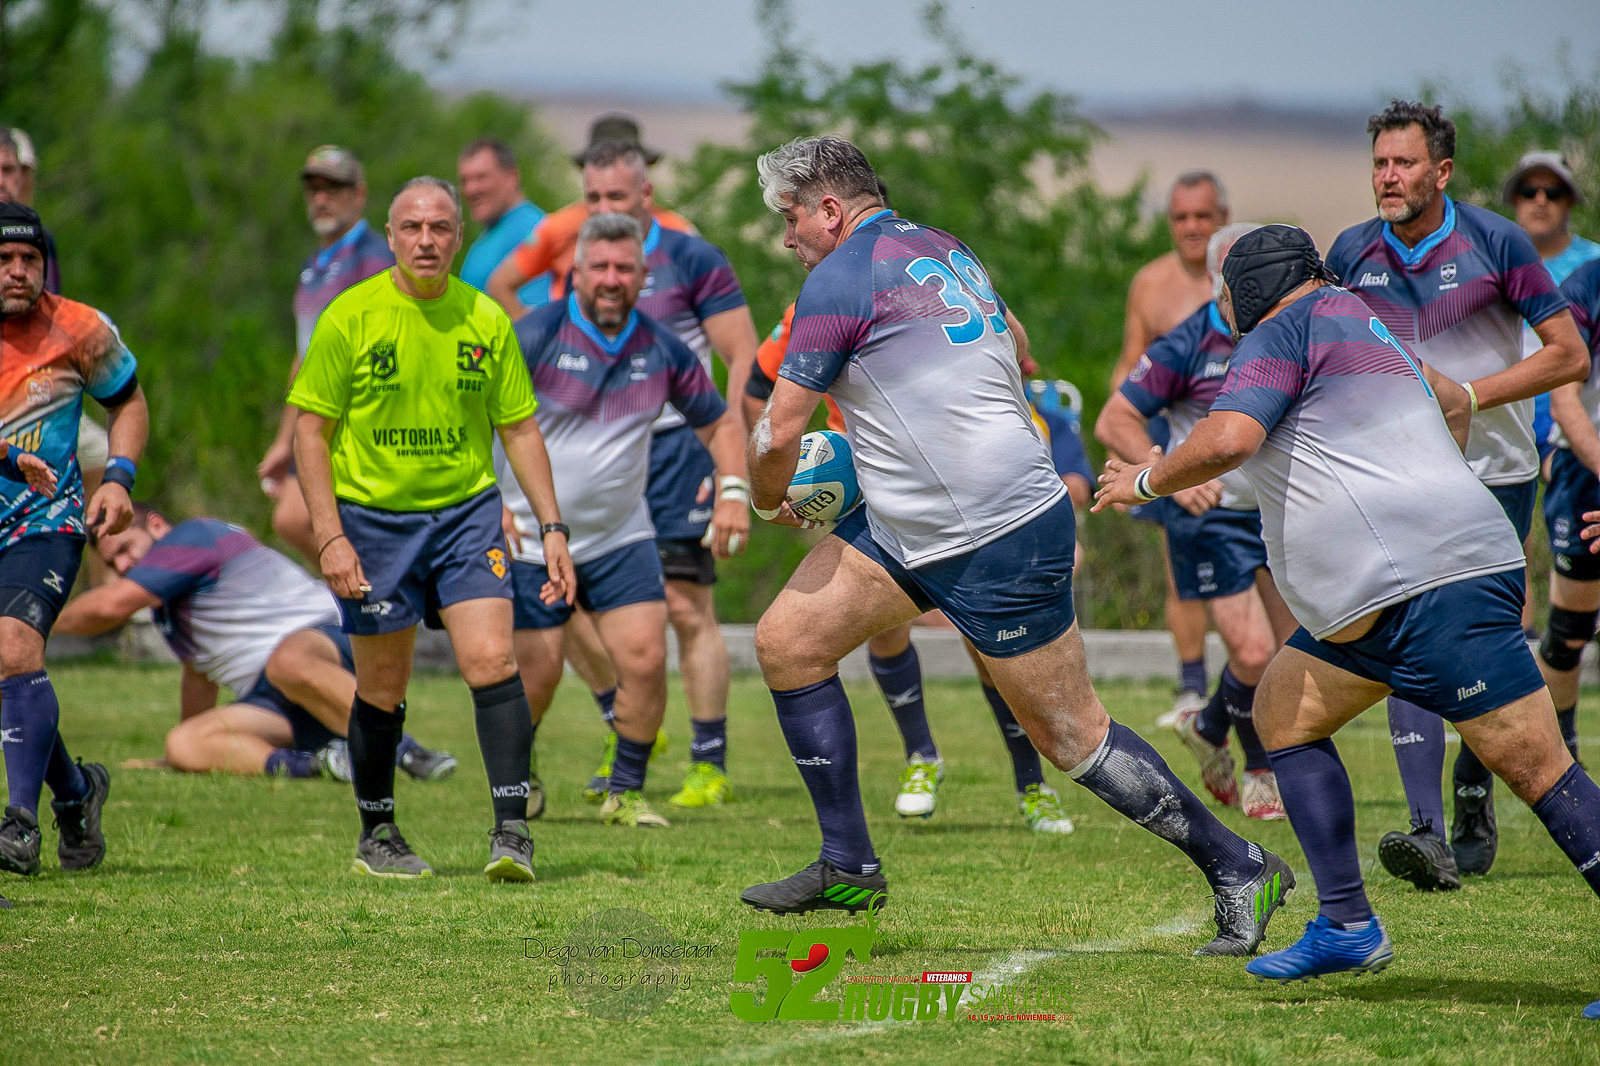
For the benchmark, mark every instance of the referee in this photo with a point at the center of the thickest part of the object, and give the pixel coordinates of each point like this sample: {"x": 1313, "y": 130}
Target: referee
{"x": 407, "y": 377}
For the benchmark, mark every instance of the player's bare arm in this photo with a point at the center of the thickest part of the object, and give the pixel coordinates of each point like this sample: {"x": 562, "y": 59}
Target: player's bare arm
{"x": 1121, "y": 428}
{"x": 504, "y": 282}
{"x": 1136, "y": 331}
{"x": 1024, "y": 349}
{"x": 1220, "y": 442}
{"x": 730, "y": 519}
{"x": 774, "y": 449}
{"x": 100, "y": 610}
{"x": 732, "y": 334}
{"x": 1454, "y": 404}
{"x": 274, "y": 465}
{"x": 1562, "y": 360}
{"x": 335, "y": 555}
{"x": 197, "y": 693}
{"x": 530, "y": 463}
{"x": 1566, "y": 407}
{"x": 127, "y": 428}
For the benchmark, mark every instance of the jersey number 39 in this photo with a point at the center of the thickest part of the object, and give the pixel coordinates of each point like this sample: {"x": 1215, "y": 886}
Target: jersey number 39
{"x": 964, "y": 287}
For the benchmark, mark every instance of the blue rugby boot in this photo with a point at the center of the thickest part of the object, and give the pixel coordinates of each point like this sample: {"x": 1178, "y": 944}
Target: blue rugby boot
{"x": 1327, "y": 949}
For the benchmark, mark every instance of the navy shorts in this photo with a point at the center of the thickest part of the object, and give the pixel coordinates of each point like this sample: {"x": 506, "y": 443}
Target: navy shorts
{"x": 1457, "y": 650}
{"x": 631, "y": 574}
{"x": 309, "y": 734}
{"x": 1517, "y": 502}
{"x": 1157, "y": 511}
{"x": 1572, "y": 491}
{"x": 418, "y": 562}
{"x": 1215, "y": 554}
{"x": 680, "y": 493}
{"x": 1009, "y": 597}
{"x": 36, "y": 576}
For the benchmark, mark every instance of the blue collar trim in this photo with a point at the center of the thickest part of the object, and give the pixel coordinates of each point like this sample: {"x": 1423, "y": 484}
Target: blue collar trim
{"x": 870, "y": 219}
{"x": 653, "y": 237}
{"x": 1413, "y": 256}
{"x": 608, "y": 345}
{"x": 1215, "y": 316}
{"x": 351, "y": 236}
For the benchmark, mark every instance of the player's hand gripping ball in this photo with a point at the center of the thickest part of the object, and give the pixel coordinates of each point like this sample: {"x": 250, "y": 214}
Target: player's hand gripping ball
{"x": 824, "y": 487}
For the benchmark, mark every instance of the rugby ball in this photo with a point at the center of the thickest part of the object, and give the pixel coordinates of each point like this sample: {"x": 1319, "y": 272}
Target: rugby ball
{"x": 824, "y": 487}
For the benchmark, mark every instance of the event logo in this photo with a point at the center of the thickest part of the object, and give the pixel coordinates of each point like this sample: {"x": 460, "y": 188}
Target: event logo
{"x": 470, "y": 357}
{"x": 497, "y": 561}
{"x": 384, "y": 359}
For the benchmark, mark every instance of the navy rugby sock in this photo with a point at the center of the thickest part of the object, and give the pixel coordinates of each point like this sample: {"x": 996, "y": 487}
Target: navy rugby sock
{"x": 1212, "y": 721}
{"x": 505, "y": 736}
{"x": 821, "y": 733}
{"x": 1136, "y": 782}
{"x": 629, "y": 764}
{"x": 1571, "y": 812}
{"x": 1238, "y": 702}
{"x": 607, "y": 702}
{"x": 1025, "y": 768}
{"x": 899, "y": 678}
{"x": 1418, "y": 739}
{"x": 1567, "y": 719}
{"x": 29, "y": 715}
{"x": 1192, "y": 676}
{"x": 1322, "y": 811}
{"x": 286, "y": 762}
{"x": 64, "y": 776}
{"x": 710, "y": 743}
{"x": 374, "y": 737}
{"x": 1469, "y": 770}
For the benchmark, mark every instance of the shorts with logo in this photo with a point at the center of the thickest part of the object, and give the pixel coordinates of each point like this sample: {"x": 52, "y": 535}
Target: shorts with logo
{"x": 36, "y": 576}
{"x": 419, "y": 562}
{"x": 630, "y": 574}
{"x": 309, "y": 734}
{"x": 1572, "y": 491}
{"x": 1156, "y": 511}
{"x": 1214, "y": 554}
{"x": 680, "y": 492}
{"x": 1457, "y": 650}
{"x": 1009, "y": 597}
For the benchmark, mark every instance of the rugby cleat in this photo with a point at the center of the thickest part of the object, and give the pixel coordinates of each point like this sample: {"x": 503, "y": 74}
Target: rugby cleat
{"x": 1216, "y": 765}
{"x": 1186, "y": 701}
{"x": 1421, "y": 857}
{"x": 385, "y": 853}
{"x": 82, "y": 844}
{"x": 1041, "y": 809}
{"x": 1260, "y": 797}
{"x": 19, "y": 842}
{"x": 1592, "y": 1011}
{"x": 334, "y": 760}
{"x": 510, "y": 853}
{"x": 1242, "y": 913}
{"x": 1474, "y": 836}
{"x": 630, "y": 809}
{"x": 1326, "y": 949}
{"x": 705, "y": 786}
{"x": 599, "y": 786}
{"x": 421, "y": 764}
{"x": 820, "y": 886}
{"x": 919, "y": 787}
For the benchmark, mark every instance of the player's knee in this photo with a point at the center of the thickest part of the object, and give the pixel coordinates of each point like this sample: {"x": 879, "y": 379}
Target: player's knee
{"x": 776, "y": 642}
{"x": 1250, "y": 661}
{"x": 185, "y": 747}
{"x": 644, "y": 663}
{"x": 1562, "y": 646}
{"x": 690, "y": 613}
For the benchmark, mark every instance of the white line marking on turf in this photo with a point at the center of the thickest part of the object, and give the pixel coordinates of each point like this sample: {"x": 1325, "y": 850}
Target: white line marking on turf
{"x": 1012, "y": 966}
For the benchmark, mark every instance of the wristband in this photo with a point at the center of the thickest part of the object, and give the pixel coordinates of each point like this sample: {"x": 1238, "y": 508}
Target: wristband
{"x": 764, "y": 515}
{"x": 733, "y": 492}
{"x": 120, "y": 470}
{"x": 329, "y": 543}
{"x": 1141, "y": 486}
{"x": 8, "y": 464}
{"x": 555, "y": 527}
{"x": 731, "y": 482}
{"x": 1472, "y": 395}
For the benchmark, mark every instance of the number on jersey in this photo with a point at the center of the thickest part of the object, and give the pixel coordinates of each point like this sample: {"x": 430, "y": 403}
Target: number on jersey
{"x": 964, "y": 287}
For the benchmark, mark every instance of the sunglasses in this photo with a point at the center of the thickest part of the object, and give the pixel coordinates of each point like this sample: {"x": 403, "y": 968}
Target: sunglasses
{"x": 1553, "y": 193}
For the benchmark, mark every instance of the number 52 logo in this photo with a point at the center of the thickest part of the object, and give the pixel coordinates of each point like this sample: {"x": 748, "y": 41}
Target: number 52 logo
{"x": 810, "y": 960}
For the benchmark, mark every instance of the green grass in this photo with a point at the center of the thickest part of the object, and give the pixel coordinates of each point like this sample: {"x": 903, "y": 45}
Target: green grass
{"x": 225, "y": 926}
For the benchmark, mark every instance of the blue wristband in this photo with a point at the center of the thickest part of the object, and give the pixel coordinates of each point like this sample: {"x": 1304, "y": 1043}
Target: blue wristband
{"x": 120, "y": 470}
{"x": 8, "y": 465}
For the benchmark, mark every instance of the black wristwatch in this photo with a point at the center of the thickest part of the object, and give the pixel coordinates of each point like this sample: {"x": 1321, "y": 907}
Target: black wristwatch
{"x": 555, "y": 527}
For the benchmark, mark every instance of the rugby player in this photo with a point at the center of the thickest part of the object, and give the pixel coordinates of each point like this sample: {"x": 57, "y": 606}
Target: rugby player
{"x": 1456, "y": 282}
{"x": 491, "y": 186}
{"x": 605, "y": 371}
{"x": 1213, "y": 534}
{"x": 408, "y": 376}
{"x": 1402, "y": 567}
{"x": 348, "y": 251}
{"x": 964, "y": 512}
{"x": 1164, "y": 292}
{"x": 54, "y": 350}
{"x": 238, "y": 615}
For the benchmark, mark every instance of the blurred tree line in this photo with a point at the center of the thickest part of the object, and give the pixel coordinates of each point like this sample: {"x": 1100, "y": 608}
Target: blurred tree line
{"x": 169, "y": 175}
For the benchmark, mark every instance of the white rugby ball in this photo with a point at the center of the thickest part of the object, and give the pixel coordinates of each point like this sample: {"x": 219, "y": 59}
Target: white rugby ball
{"x": 824, "y": 488}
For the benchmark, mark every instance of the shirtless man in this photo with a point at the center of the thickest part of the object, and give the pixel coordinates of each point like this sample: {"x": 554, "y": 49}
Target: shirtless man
{"x": 1164, "y": 293}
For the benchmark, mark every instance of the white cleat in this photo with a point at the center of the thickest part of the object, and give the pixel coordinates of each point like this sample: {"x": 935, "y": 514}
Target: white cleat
{"x": 919, "y": 787}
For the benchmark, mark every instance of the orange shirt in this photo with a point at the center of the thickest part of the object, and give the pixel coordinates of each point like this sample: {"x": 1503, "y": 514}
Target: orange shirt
{"x": 769, "y": 357}
{"x": 548, "y": 249}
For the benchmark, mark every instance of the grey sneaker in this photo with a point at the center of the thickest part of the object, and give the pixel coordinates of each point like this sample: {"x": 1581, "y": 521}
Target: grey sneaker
{"x": 19, "y": 842}
{"x": 421, "y": 764}
{"x": 82, "y": 845}
{"x": 510, "y": 853}
{"x": 1242, "y": 913}
{"x": 335, "y": 760}
{"x": 385, "y": 853}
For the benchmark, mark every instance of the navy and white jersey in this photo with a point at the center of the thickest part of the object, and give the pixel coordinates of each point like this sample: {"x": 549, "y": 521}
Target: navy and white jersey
{"x": 1582, "y": 291}
{"x": 1365, "y": 499}
{"x": 597, "y": 399}
{"x": 227, "y": 600}
{"x": 902, "y": 328}
{"x": 1459, "y": 299}
{"x": 689, "y": 280}
{"x": 1180, "y": 374}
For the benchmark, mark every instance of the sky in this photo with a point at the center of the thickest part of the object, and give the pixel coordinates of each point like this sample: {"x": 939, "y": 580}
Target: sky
{"x": 1109, "y": 53}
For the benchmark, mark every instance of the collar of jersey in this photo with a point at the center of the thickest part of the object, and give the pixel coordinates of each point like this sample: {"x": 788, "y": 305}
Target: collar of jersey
{"x": 1412, "y": 256}
{"x": 353, "y": 235}
{"x": 592, "y": 331}
{"x": 1215, "y": 317}
{"x": 652, "y": 238}
{"x": 870, "y": 219}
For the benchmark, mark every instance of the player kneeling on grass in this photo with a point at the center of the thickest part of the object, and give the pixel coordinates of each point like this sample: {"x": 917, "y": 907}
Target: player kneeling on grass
{"x": 604, "y": 372}
{"x": 963, "y": 511}
{"x": 238, "y": 615}
{"x": 1402, "y": 568}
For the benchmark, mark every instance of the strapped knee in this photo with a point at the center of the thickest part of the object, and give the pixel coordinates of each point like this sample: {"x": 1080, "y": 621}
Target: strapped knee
{"x": 1566, "y": 629}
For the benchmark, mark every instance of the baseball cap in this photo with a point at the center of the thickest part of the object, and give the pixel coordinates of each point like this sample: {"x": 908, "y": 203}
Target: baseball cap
{"x": 1542, "y": 159}
{"x": 616, "y": 126}
{"x": 334, "y": 163}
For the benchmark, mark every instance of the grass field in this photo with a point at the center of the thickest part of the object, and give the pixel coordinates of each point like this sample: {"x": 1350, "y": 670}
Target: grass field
{"x": 225, "y": 926}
